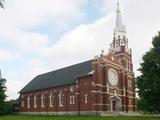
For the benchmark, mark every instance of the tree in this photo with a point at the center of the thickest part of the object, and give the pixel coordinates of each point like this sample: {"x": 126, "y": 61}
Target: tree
{"x": 2, "y": 94}
{"x": 10, "y": 106}
{"x": 1, "y": 3}
{"x": 148, "y": 83}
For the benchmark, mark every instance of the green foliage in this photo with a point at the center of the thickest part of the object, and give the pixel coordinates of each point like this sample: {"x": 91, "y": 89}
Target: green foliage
{"x": 148, "y": 83}
{"x": 9, "y": 106}
{"x": 37, "y": 117}
{"x": 2, "y": 95}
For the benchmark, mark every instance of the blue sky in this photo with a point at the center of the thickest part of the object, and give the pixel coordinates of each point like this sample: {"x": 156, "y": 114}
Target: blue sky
{"x": 38, "y": 36}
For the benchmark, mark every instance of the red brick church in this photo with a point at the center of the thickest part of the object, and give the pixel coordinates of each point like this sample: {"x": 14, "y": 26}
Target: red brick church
{"x": 101, "y": 85}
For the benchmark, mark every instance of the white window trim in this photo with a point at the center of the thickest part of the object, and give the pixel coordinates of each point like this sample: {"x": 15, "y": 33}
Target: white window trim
{"x": 42, "y": 101}
{"x": 35, "y": 101}
{"x": 124, "y": 91}
{"x": 28, "y": 101}
{"x": 51, "y": 97}
{"x": 72, "y": 99}
{"x": 85, "y": 98}
{"x": 61, "y": 103}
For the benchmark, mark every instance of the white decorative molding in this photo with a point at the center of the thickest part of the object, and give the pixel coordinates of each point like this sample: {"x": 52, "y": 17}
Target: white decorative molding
{"x": 86, "y": 98}
{"x": 100, "y": 104}
{"x": 100, "y": 85}
{"x": 113, "y": 64}
{"x": 91, "y": 72}
{"x": 28, "y": 102}
{"x": 35, "y": 101}
{"x": 94, "y": 91}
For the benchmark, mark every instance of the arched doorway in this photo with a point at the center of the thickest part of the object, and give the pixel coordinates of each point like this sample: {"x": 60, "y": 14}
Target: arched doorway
{"x": 116, "y": 104}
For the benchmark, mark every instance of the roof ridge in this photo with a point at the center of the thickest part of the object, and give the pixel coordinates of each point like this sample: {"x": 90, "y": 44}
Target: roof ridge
{"x": 64, "y": 67}
{"x": 58, "y": 77}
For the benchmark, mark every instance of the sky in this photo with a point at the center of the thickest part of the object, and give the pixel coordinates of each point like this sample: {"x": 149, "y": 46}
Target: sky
{"x": 38, "y": 36}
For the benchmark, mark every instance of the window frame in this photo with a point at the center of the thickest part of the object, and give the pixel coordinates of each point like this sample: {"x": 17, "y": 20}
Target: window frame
{"x": 61, "y": 99}
{"x": 35, "y": 101}
{"x": 28, "y": 102}
{"x": 86, "y": 98}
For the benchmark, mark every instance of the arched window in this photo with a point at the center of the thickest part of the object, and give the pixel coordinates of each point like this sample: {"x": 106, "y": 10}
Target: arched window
{"x": 35, "y": 101}
{"x": 51, "y": 99}
{"x": 28, "y": 101}
{"x": 72, "y": 99}
{"x": 61, "y": 99}
{"x": 43, "y": 100}
{"x": 85, "y": 98}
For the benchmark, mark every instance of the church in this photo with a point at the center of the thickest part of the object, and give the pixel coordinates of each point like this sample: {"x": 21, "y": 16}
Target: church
{"x": 102, "y": 85}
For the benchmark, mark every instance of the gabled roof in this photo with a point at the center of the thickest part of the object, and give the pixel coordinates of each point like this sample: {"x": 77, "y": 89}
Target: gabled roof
{"x": 61, "y": 77}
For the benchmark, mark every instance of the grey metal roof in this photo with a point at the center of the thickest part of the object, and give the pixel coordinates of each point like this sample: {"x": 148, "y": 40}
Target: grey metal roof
{"x": 61, "y": 77}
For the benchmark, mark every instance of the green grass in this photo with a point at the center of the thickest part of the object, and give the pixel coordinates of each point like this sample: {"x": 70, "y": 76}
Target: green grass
{"x": 29, "y": 117}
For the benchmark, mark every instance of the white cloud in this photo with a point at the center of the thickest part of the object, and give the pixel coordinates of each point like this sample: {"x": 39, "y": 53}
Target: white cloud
{"x": 85, "y": 41}
{"x": 16, "y": 80}
{"x": 14, "y": 19}
{"x": 9, "y": 56}
{"x": 36, "y": 12}
{"x": 19, "y": 15}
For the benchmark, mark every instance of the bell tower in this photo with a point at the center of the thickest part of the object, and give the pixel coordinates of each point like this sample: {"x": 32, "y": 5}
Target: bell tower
{"x": 119, "y": 45}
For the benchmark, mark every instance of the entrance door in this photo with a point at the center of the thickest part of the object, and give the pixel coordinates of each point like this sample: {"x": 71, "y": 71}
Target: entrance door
{"x": 113, "y": 105}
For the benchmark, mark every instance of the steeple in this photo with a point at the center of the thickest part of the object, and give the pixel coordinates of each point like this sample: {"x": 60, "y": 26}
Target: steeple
{"x": 119, "y": 28}
{"x": 118, "y": 18}
{"x": 119, "y": 45}
{"x": 120, "y": 41}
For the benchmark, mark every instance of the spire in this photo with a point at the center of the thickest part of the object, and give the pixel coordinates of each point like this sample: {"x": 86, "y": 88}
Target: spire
{"x": 120, "y": 41}
{"x": 119, "y": 24}
{"x": 118, "y": 6}
{"x": 119, "y": 31}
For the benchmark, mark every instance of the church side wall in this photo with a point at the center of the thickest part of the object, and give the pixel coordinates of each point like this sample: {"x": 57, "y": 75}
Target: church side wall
{"x": 78, "y": 90}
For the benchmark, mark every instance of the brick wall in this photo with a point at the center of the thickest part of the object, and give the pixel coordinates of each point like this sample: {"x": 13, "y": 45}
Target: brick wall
{"x": 96, "y": 87}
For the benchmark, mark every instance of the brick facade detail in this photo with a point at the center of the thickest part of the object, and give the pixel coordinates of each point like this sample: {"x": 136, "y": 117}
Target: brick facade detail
{"x": 91, "y": 92}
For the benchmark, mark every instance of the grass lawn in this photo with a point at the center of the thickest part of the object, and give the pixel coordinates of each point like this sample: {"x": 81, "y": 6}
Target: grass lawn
{"x": 29, "y": 117}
